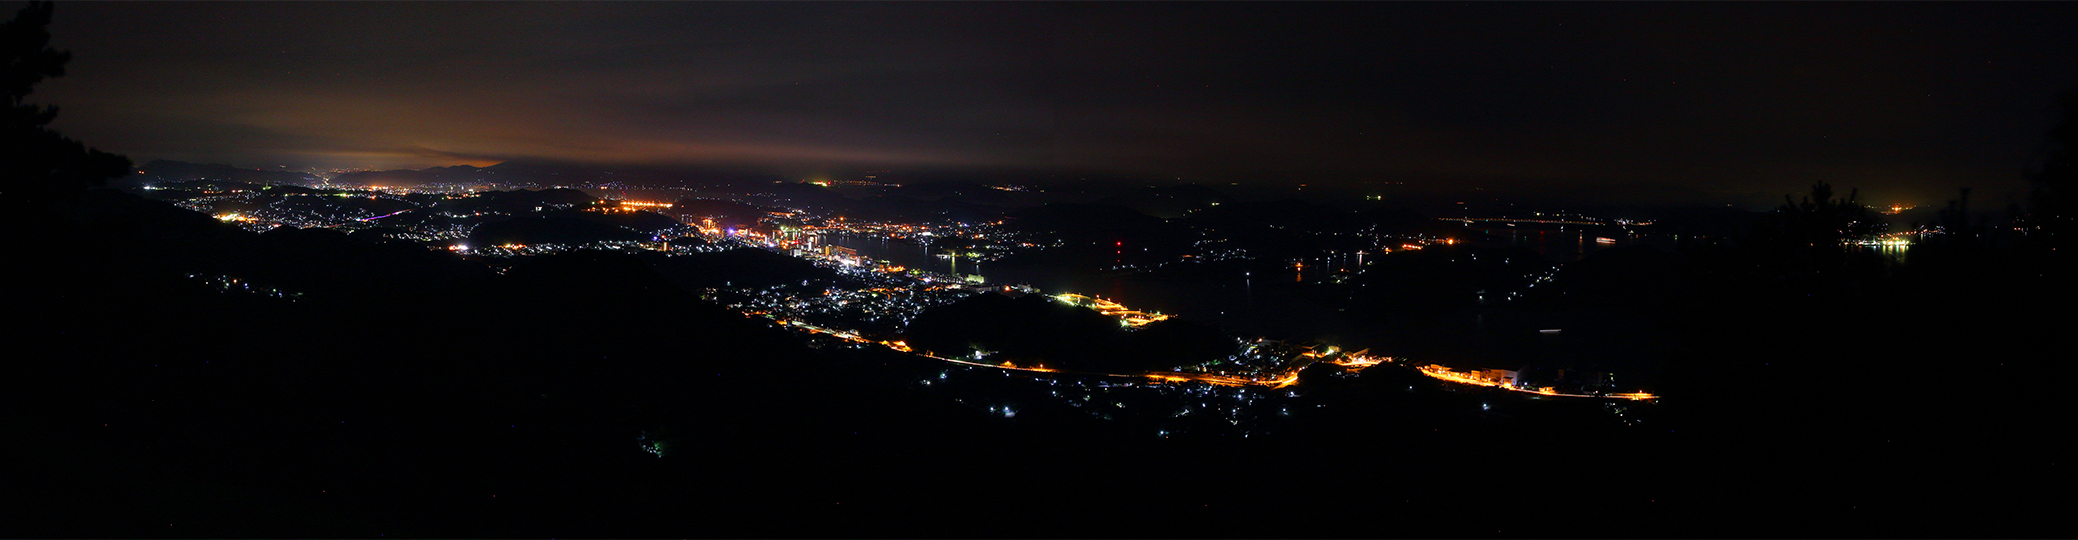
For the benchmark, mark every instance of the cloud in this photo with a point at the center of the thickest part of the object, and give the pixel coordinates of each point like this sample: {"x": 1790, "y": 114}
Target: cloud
{"x": 1724, "y": 96}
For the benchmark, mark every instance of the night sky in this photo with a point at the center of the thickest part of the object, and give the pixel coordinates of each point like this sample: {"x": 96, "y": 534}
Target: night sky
{"x": 1905, "y": 101}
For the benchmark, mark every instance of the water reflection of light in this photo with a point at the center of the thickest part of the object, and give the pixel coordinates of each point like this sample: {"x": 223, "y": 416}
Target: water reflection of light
{"x": 1893, "y": 246}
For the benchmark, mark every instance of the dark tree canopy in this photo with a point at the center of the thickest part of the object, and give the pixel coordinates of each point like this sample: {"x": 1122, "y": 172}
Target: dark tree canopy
{"x": 1805, "y": 245}
{"x": 1820, "y": 220}
{"x": 37, "y": 164}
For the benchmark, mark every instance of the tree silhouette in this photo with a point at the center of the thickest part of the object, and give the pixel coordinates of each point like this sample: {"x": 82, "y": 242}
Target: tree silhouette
{"x": 37, "y": 164}
{"x": 1820, "y": 219}
{"x": 1803, "y": 247}
{"x": 1963, "y": 249}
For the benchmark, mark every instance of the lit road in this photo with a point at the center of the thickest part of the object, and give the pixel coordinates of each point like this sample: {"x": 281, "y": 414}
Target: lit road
{"x": 1109, "y": 308}
{"x": 386, "y": 215}
{"x": 1446, "y": 374}
{"x": 1287, "y": 376}
{"x": 1170, "y": 376}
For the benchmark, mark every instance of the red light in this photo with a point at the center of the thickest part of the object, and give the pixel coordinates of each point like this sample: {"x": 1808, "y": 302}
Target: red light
{"x": 1120, "y": 243}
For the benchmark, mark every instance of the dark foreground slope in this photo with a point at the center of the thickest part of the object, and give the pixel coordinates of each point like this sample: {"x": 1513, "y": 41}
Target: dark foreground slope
{"x": 429, "y": 396}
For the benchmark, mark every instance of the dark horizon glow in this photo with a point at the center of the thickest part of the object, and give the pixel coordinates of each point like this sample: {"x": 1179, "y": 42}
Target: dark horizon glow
{"x": 1671, "y": 101}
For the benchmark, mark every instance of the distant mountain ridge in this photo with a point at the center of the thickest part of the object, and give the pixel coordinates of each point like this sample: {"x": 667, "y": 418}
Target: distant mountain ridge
{"x": 509, "y": 173}
{"x": 177, "y": 171}
{"x": 553, "y": 173}
{"x": 460, "y": 174}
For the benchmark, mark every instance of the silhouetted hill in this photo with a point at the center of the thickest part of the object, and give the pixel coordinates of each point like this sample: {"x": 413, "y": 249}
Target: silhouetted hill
{"x": 944, "y": 188}
{"x": 1103, "y": 232}
{"x": 518, "y": 202}
{"x": 557, "y": 173}
{"x": 341, "y": 266}
{"x": 552, "y": 363}
{"x": 276, "y": 417}
{"x": 206, "y": 185}
{"x": 1170, "y": 201}
{"x": 379, "y": 234}
{"x": 906, "y": 206}
{"x": 348, "y": 206}
{"x": 1395, "y": 220}
{"x": 1173, "y": 343}
{"x": 688, "y": 242}
{"x": 458, "y": 174}
{"x": 1288, "y": 214}
{"x": 154, "y": 235}
{"x": 640, "y": 221}
{"x": 1029, "y": 330}
{"x": 741, "y": 267}
{"x": 1035, "y": 330}
{"x": 565, "y": 229}
{"x": 1276, "y": 231}
{"x": 800, "y": 190}
{"x": 290, "y": 189}
{"x": 549, "y": 172}
{"x": 1722, "y": 222}
{"x": 554, "y": 196}
{"x": 599, "y": 276}
{"x": 1083, "y": 220}
{"x": 177, "y": 171}
{"x": 726, "y": 214}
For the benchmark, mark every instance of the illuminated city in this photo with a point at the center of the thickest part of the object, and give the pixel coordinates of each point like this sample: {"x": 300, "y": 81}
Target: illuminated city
{"x": 1048, "y": 269}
